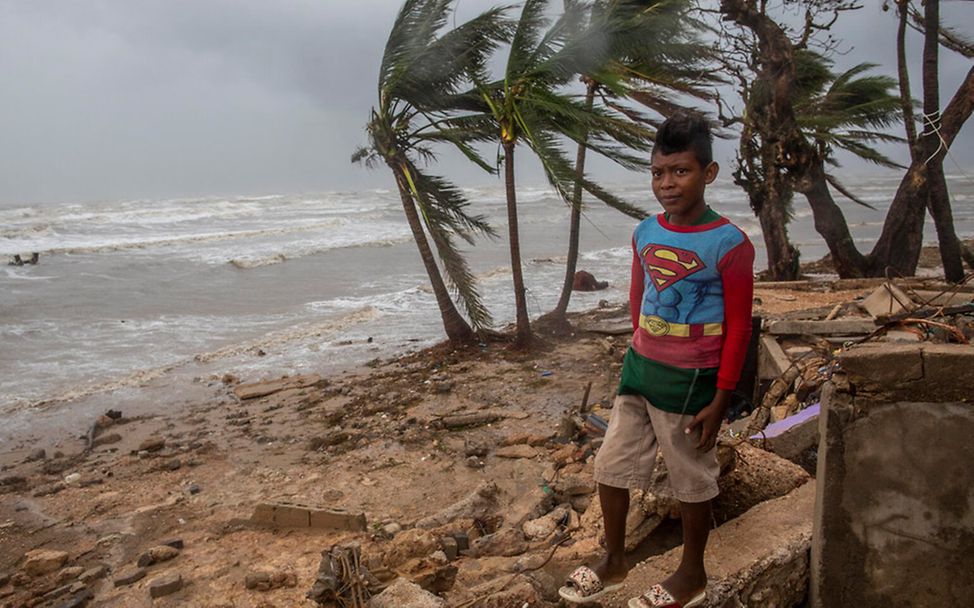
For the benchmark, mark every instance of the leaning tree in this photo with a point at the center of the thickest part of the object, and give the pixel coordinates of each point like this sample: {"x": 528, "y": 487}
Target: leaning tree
{"x": 423, "y": 68}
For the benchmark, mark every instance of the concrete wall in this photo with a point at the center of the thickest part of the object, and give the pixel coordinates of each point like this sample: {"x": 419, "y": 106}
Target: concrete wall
{"x": 894, "y": 516}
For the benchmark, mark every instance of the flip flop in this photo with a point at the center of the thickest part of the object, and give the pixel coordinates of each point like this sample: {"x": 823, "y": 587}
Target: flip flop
{"x": 657, "y": 597}
{"x": 584, "y": 586}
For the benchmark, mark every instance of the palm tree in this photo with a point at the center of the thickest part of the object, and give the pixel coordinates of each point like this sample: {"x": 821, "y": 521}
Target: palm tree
{"x": 421, "y": 72}
{"x": 851, "y": 111}
{"x": 653, "y": 53}
{"x": 526, "y": 106}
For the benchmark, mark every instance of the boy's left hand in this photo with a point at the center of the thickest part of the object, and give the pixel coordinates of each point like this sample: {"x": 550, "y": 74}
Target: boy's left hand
{"x": 709, "y": 419}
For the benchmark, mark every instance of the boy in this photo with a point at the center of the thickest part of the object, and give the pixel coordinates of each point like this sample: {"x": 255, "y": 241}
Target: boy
{"x": 690, "y": 299}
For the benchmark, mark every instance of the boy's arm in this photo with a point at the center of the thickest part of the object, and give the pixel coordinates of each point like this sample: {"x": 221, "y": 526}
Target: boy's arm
{"x": 635, "y": 287}
{"x": 737, "y": 277}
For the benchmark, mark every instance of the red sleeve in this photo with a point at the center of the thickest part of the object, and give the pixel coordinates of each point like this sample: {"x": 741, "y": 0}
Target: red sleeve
{"x": 737, "y": 277}
{"x": 636, "y": 287}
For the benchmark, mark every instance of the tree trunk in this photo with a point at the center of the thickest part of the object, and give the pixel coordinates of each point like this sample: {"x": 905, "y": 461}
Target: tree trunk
{"x": 899, "y": 244}
{"x": 457, "y": 329}
{"x": 574, "y": 229}
{"x": 831, "y": 224}
{"x": 522, "y": 337}
{"x": 903, "y": 72}
{"x": 938, "y": 199}
{"x": 783, "y": 262}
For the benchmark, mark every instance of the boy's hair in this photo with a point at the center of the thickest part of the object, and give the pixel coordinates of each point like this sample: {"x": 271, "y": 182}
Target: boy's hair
{"x": 686, "y": 131}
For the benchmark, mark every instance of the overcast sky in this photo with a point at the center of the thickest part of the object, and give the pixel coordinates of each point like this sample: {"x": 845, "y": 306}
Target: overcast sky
{"x": 106, "y": 99}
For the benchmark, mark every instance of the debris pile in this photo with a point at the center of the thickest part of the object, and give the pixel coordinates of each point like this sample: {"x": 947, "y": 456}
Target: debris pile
{"x": 799, "y": 352}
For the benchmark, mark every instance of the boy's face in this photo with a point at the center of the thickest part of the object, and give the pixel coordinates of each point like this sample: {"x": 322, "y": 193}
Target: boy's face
{"x": 679, "y": 183}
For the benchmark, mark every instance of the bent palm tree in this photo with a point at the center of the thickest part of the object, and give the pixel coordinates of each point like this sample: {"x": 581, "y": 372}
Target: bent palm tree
{"x": 850, "y": 111}
{"x": 526, "y": 106}
{"x": 420, "y": 74}
{"x": 653, "y": 53}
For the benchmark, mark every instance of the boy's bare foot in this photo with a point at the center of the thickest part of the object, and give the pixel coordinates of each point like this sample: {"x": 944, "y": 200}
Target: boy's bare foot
{"x": 611, "y": 571}
{"x": 685, "y": 585}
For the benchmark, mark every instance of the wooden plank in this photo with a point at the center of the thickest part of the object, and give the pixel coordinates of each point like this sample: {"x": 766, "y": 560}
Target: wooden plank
{"x": 822, "y": 328}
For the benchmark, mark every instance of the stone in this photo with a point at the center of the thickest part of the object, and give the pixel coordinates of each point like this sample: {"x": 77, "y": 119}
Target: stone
{"x": 476, "y": 505}
{"x": 165, "y": 585}
{"x": 409, "y": 544}
{"x": 43, "y": 561}
{"x": 79, "y": 599}
{"x": 175, "y": 543}
{"x": 193, "y": 488}
{"x": 404, "y": 594}
{"x": 50, "y": 489}
{"x": 450, "y": 547}
{"x": 35, "y": 455}
{"x": 129, "y": 575}
{"x": 157, "y": 554}
{"x": 174, "y": 464}
{"x": 269, "y": 387}
{"x": 72, "y": 479}
{"x": 543, "y": 527}
{"x": 93, "y": 574}
{"x": 517, "y": 451}
{"x": 475, "y": 447}
{"x": 106, "y": 439}
{"x": 530, "y": 505}
{"x": 69, "y": 574}
{"x": 887, "y": 300}
{"x": 391, "y": 529}
{"x": 152, "y": 444}
{"x": 585, "y": 281}
{"x": 838, "y": 327}
{"x": 506, "y": 542}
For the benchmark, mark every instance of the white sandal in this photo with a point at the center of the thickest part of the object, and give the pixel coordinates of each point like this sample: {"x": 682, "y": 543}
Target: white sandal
{"x": 584, "y": 586}
{"x": 657, "y": 597}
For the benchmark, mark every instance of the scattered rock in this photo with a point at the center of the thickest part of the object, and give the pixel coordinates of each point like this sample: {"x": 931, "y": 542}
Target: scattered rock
{"x": 391, "y": 529}
{"x": 72, "y": 479}
{"x": 165, "y": 585}
{"x": 585, "y": 281}
{"x": 175, "y": 543}
{"x": 507, "y": 542}
{"x": 193, "y": 488}
{"x": 475, "y": 447}
{"x": 152, "y": 444}
{"x": 517, "y": 451}
{"x": 262, "y": 389}
{"x": 43, "y": 561}
{"x": 69, "y": 574}
{"x": 106, "y": 439}
{"x": 477, "y": 504}
{"x": 174, "y": 464}
{"x": 35, "y": 455}
{"x": 78, "y": 600}
{"x": 157, "y": 554}
{"x": 450, "y": 547}
{"x": 443, "y": 387}
{"x": 50, "y": 489}
{"x": 93, "y": 574}
{"x": 404, "y": 594}
{"x": 266, "y": 580}
{"x": 129, "y": 575}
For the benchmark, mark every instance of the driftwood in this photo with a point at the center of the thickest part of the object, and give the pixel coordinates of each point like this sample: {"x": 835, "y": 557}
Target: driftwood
{"x": 459, "y": 421}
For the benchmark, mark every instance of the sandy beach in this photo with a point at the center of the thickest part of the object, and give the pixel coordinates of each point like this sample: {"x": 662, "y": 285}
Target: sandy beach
{"x": 376, "y": 440}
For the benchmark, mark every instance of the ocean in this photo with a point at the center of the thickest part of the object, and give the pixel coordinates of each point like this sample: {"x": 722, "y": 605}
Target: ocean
{"x": 158, "y": 293}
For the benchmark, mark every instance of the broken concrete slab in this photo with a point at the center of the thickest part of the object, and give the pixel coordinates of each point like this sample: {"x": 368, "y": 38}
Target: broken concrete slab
{"x": 772, "y": 360}
{"x": 922, "y": 372}
{"x": 288, "y": 515}
{"x": 269, "y": 387}
{"x": 886, "y": 300}
{"x": 837, "y": 327}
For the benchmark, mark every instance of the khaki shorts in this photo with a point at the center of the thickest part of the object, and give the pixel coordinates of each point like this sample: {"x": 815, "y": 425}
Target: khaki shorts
{"x": 628, "y": 454}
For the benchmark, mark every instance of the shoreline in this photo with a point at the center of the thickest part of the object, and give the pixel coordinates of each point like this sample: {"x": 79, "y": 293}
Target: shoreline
{"x": 394, "y": 440}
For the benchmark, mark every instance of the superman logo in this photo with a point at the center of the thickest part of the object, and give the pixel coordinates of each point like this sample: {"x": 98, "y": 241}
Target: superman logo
{"x": 667, "y": 265}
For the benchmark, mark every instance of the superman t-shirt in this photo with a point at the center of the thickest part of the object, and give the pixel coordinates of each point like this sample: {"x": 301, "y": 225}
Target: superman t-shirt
{"x": 690, "y": 299}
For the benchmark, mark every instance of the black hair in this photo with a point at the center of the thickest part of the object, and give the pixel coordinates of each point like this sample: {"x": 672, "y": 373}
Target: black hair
{"x": 686, "y": 131}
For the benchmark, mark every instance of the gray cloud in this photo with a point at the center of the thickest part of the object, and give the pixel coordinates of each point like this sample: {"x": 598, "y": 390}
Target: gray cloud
{"x": 146, "y": 98}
